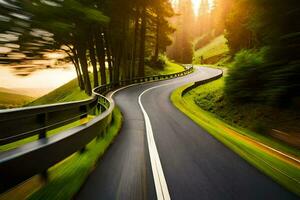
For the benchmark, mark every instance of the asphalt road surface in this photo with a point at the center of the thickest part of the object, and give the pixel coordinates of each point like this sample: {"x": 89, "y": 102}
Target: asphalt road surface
{"x": 165, "y": 155}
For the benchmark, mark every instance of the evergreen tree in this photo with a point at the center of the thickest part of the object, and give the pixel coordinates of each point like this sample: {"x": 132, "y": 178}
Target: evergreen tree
{"x": 203, "y": 19}
{"x": 181, "y": 50}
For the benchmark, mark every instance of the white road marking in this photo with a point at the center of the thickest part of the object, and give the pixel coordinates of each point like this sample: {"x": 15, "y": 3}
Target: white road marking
{"x": 160, "y": 183}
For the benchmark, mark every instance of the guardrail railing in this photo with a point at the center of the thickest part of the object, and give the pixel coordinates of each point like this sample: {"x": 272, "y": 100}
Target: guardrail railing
{"x": 198, "y": 83}
{"x": 22, "y": 163}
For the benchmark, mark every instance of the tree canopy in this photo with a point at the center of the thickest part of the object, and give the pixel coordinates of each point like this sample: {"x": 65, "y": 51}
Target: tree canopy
{"x": 109, "y": 36}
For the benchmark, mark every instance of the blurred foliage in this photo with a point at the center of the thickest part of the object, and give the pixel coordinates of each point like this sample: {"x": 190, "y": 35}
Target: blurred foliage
{"x": 245, "y": 78}
{"x": 269, "y": 71}
{"x": 157, "y": 63}
{"x": 29, "y": 28}
{"x": 254, "y": 78}
{"x": 115, "y": 34}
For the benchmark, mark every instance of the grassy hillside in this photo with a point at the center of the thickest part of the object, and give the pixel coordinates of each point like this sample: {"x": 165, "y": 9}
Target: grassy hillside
{"x": 9, "y": 99}
{"x": 66, "y": 93}
{"x": 211, "y": 53}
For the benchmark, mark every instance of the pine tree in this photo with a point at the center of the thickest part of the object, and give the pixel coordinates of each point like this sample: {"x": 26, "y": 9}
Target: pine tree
{"x": 181, "y": 50}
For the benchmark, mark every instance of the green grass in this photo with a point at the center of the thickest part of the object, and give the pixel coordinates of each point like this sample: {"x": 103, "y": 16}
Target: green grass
{"x": 66, "y": 178}
{"x": 66, "y": 93}
{"x": 216, "y": 47}
{"x": 281, "y": 170}
{"x": 11, "y": 100}
{"x": 256, "y": 120}
{"x": 169, "y": 68}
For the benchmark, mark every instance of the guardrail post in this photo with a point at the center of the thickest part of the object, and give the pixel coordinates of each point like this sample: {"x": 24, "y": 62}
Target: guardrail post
{"x": 44, "y": 119}
{"x": 85, "y": 110}
{"x": 43, "y": 134}
{"x": 44, "y": 175}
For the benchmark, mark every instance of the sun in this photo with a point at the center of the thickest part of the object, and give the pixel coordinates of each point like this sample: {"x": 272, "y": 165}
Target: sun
{"x": 197, "y": 3}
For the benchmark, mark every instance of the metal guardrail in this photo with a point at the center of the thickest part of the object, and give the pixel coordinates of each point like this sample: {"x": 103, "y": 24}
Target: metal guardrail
{"x": 20, "y": 164}
{"x": 198, "y": 83}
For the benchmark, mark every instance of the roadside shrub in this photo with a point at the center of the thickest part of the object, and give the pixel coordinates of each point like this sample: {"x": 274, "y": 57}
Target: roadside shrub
{"x": 260, "y": 127}
{"x": 159, "y": 63}
{"x": 245, "y": 79}
{"x": 254, "y": 78}
{"x": 282, "y": 83}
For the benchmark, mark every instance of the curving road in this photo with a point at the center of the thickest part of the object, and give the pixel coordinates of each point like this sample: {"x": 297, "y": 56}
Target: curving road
{"x": 162, "y": 154}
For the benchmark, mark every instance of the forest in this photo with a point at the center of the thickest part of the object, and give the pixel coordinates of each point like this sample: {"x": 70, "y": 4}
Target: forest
{"x": 263, "y": 40}
{"x": 117, "y": 39}
{"x": 113, "y": 37}
{"x": 149, "y": 99}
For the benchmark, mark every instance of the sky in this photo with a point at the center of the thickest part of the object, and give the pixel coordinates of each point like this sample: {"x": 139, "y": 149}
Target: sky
{"x": 196, "y": 4}
{"x": 39, "y": 82}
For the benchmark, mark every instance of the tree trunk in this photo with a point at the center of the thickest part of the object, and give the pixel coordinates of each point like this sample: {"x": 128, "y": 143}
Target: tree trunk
{"x": 79, "y": 76}
{"x": 118, "y": 58}
{"x": 109, "y": 56}
{"x": 101, "y": 56}
{"x": 135, "y": 42}
{"x": 74, "y": 59}
{"x": 141, "y": 69}
{"x": 156, "y": 52}
{"x": 84, "y": 67}
{"x": 93, "y": 61}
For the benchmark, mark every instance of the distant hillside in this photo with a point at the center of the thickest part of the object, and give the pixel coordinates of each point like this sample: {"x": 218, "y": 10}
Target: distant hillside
{"x": 66, "y": 93}
{"x": 212, "y": 52}
{"x": 6, "y": 90}
{"x": 9, "y": 99}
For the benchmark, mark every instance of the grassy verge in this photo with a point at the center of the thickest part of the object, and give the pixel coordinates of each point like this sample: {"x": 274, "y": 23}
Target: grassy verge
{"x": 258, "y": 121}
{"x": 66, "y": 178}
{"x": 169, "y": 68}
{"x": 281, "y": 169}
